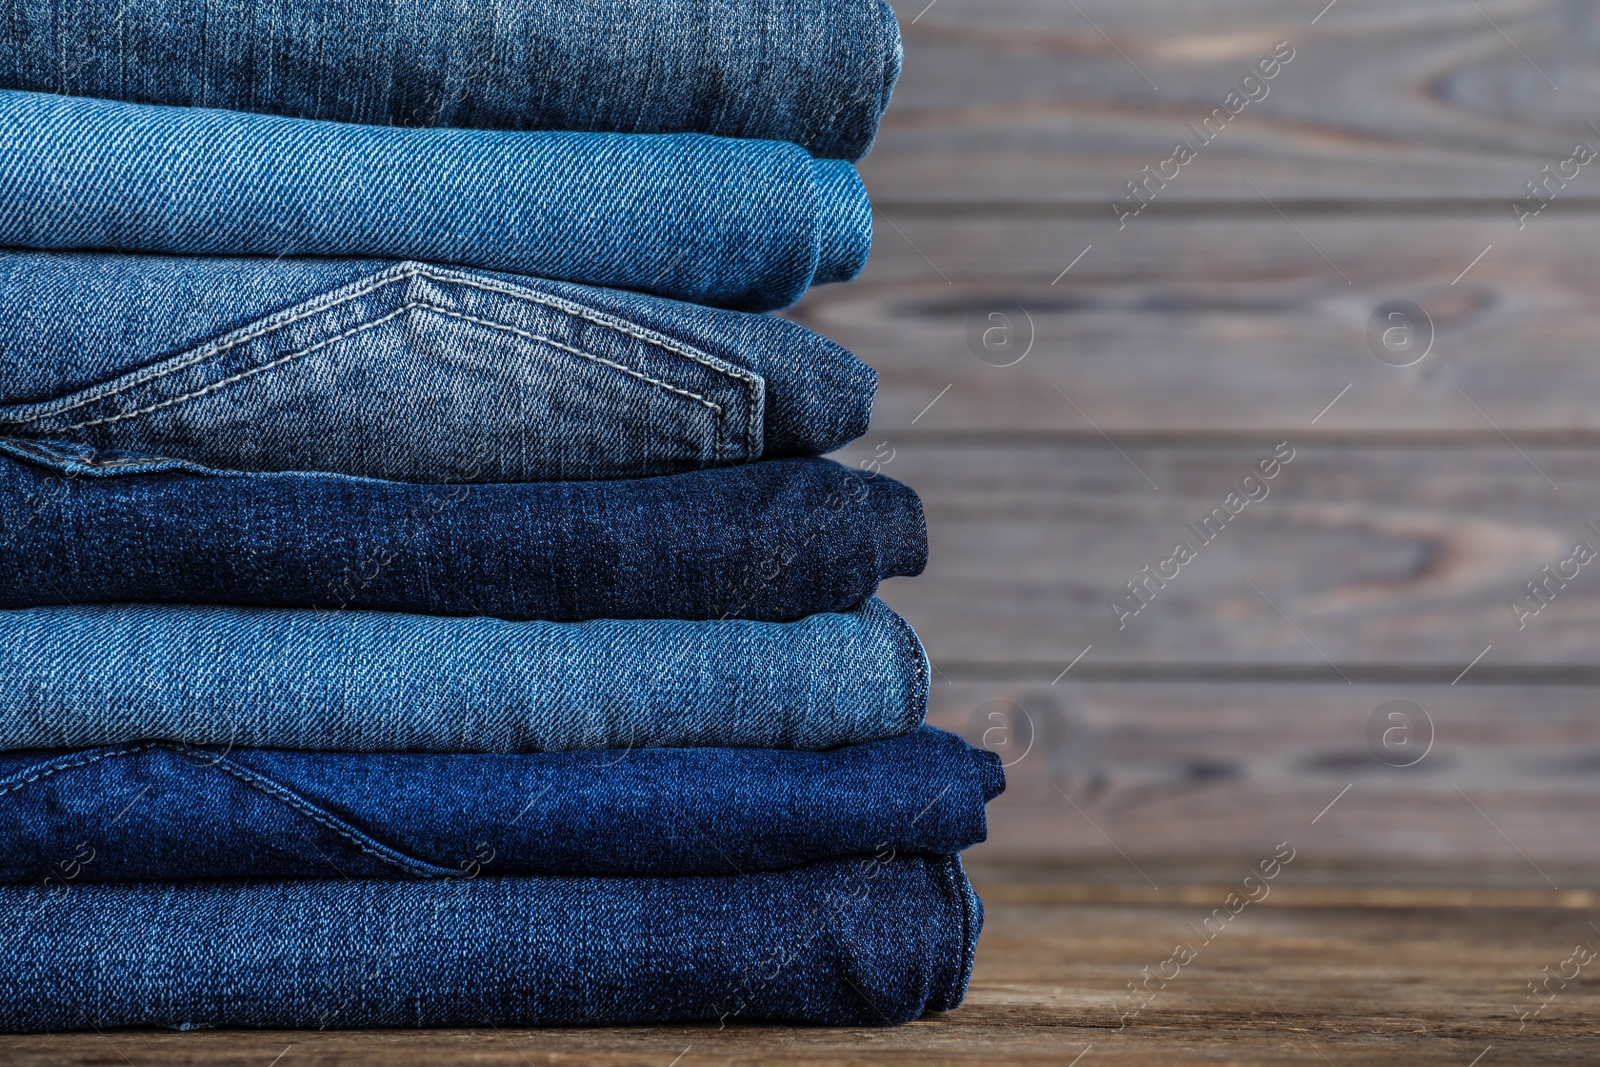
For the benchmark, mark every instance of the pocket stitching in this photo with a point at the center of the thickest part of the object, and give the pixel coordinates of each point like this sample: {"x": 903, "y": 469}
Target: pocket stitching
{"x": 525, "y": 335}
{"x": 408, "y": 306}
{"x": 206, "y": 352}
{"x": 750, "y": 381}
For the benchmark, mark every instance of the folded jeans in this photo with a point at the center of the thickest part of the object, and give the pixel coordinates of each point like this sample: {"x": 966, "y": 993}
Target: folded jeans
{"x": 408, "y": 371}
{"x": 164, "y": 812}
{"x": 863, "y": 941}
{"x": 714, "y": 220}
{"x": 378, "y": 681}
{"x": 770, "y": 541}
{"x": 815, "y": 72}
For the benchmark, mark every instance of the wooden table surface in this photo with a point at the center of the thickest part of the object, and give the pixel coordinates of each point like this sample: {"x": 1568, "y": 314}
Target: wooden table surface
{"x": 1155, "y": 759}
{"x": 1312, "y": 974}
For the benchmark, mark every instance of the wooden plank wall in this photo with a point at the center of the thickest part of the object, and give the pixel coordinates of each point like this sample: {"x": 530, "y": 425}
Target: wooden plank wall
{"x": 1173, "y": 349}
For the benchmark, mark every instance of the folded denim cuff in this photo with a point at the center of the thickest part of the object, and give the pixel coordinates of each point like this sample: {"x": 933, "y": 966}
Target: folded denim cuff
{"x": 951, "y": 988}
{"x": 871, "y": 941}
{"x": 844, "y": 222}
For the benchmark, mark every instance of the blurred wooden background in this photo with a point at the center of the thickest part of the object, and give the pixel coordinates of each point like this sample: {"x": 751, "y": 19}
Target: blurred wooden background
{"x": 1168, "y": 354}
{"x": 1179, "y": 349}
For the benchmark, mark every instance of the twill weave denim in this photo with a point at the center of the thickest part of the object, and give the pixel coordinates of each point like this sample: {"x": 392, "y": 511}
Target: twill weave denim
{"x": 852, "y": 942}
{"x": 744, "y": 224}
{"x": 816, "y": 72}
{"x": 769, "y": 541}
{"x": 406, "y": 371}
{"x": 378, "y": 681}
{"x": 158, "y": 811}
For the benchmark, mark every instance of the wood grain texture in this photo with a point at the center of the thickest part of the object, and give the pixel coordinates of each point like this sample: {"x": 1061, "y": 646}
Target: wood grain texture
{"x": 1040, "y": 102}
{"x": 1276, "y": 985}
{"x": 1361, "y": 563}
{"x": 1186, "y": 781}
{"x": 1227, "y": 328}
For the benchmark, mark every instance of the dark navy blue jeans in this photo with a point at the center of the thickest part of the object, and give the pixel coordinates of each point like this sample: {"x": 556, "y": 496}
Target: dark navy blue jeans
{"x": 862, "y": 941}
{"x": 163, "y": 812}
{"x": 771, "y": 541}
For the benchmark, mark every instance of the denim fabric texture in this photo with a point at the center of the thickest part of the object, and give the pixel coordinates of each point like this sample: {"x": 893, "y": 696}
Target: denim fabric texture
{"x": 168, "y": 812}
{"x": 743, "y": 224}
{"x": 769, "y": 541}
{"x": 377, "y": 681}
{"x": 406, "y": 371}
{"x": 815, "y": 72}
{"x": 868, "y": 941}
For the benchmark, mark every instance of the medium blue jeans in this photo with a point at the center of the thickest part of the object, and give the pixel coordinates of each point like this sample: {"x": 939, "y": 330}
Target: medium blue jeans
{"x": 379, "y": 681}
{"x": 769, "y": 541}
{"x": 161, "y": 812}
{"x": 744, "y": 224}
{"x": 868, "y": 941}
{"x": 816, "y": 72}
{"x": 406, "y": 371}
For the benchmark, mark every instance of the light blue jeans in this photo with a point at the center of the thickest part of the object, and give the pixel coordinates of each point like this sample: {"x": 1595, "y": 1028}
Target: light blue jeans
{"x": 743, "y": 224}
{"x": 374, "y": 681}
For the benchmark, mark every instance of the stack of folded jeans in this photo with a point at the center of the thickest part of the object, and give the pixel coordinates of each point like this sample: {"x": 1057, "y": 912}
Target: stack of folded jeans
{"x": 423, "y": 602}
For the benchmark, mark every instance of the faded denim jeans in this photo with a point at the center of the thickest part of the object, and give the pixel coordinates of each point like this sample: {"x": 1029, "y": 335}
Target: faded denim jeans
{"x": 406, "y": 371}
{"x": 815, "y": 72}
{"x": 741, "y": 224}
{"x": 376, "y": 681}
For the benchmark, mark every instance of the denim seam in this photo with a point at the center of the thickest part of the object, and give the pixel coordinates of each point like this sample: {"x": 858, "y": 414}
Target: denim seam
{"x": 250, "y": 778}
{"x": 207, "y": 351}
{"x": 70, "y": 764}
{"x": 408, "y": 306}
{"x": 745, "y": 378}
{"x": 969, "y": 916}
{"x": 214, "y": 386}
{"x": 911, "y": 645}
{"x": 258, "y": 781}
{"x": 71, "y": 459}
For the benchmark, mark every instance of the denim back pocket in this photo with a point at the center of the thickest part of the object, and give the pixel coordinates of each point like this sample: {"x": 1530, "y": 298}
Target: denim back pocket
{"x": 425, "y": 374}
